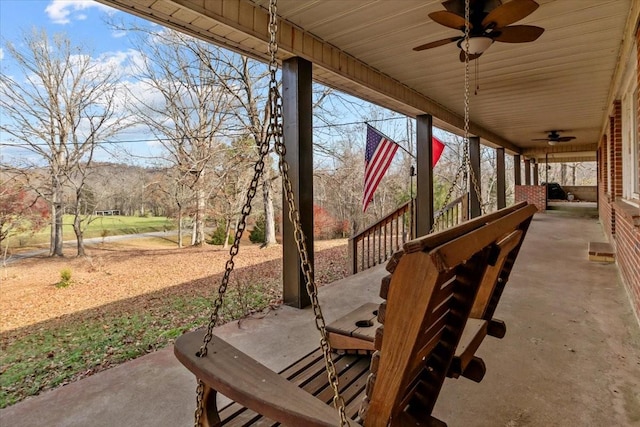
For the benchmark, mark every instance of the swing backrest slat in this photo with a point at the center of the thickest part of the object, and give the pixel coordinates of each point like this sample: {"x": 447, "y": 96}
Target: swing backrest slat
{"x": 429, "y": 299}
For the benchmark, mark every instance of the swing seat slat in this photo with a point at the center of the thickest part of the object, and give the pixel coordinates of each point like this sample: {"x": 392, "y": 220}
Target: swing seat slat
{"x": 242, "y": 379}
{"x": 430, "y": 296}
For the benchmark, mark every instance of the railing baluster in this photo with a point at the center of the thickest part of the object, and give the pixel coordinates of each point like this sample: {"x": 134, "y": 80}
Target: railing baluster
{"x": 404, "y": 238}
{"x": 368, "y": 249}
{"x": 380, "y": 237}
{"x": 376, "y": 245}
{"x": 396, "y": 222}
{"x": 385, "y": 242}
{"x": 379, "y": 243}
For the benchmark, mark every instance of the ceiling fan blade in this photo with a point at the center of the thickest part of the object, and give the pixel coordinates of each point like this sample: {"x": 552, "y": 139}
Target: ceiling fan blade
{"x": 566, "y": 138}
{"x": 457, "y": 6}
{"x": 509, "y": 13}
{"x": 472, "y": 56}
{"x": 454, "y": 6}
{"x": 437, "y": 43}
{"x": 449, "y": 19}
{"x": 517, "y": 34}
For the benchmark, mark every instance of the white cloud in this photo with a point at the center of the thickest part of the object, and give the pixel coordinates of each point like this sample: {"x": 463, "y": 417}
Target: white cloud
{"x": 126, "y": 63}
{"x": 1, "y": 54}
{"x": 63, "y": 11}
{"x": 154, "y": 144}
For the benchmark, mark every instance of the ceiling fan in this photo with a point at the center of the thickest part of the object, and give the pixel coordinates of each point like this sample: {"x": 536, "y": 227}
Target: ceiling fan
{"x": 489, "y": 21}
{"x": 554, "y": 137}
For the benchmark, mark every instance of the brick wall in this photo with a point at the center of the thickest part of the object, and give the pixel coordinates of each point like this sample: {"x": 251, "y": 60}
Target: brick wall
{"x": 535, "y": 194}
{"x": 620, "y": 220}
{"x": 616, "y": 144}
{"x": 586, "y": 193}
{"x": 605, "y": 213}
{"x": 605, "y": 164}
{"x": 628, "y": 250}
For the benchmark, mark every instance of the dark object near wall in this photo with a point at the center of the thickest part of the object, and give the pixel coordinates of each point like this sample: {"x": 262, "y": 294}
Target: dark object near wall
{"x": 555, "y": 191}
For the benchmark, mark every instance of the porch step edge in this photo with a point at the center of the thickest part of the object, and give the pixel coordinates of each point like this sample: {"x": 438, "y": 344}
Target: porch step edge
{"x": 601, "y": 252}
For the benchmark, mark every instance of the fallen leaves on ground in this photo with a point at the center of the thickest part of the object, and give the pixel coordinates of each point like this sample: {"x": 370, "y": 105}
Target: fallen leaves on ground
{"x": 125, "y": 302}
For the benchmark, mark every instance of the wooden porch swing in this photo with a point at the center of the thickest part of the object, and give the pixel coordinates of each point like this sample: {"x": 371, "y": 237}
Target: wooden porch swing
{"x": 429, "y": 296}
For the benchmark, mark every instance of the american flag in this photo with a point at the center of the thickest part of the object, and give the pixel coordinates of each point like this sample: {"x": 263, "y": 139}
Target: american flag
{"x": 377, "y": 158}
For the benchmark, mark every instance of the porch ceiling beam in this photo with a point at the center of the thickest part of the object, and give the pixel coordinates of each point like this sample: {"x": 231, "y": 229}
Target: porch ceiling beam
{"x": 571, "y": 159}
{"x": 242, "y": 26}
{"x": 561, "y": 148}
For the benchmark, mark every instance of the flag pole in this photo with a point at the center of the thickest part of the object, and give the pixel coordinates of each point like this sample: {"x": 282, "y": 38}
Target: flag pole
{"x": 412, "y": 173}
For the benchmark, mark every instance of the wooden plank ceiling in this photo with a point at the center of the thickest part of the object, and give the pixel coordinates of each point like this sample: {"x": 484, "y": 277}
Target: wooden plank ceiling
{"x": 564, "y": 80}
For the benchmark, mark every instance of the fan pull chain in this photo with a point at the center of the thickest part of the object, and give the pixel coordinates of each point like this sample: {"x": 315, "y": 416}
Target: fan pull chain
{"x": 477, "y": 75}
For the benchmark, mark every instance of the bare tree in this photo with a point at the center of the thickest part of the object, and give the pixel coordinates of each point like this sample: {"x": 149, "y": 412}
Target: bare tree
{"x": 61, "y": 110}
{"x": 190, "y": 112}
{"x": 247, "y": 83}
{"x": 234, "y": 175}
{"x": 339, "y": 183}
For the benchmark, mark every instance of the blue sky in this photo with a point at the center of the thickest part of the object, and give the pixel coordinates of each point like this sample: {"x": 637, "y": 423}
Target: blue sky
{"x": 83, "y": 21}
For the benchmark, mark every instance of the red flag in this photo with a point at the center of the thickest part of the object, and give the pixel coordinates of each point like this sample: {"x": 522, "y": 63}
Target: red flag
{"x": 377, "y": 158}
{"x": 437, "y": 147}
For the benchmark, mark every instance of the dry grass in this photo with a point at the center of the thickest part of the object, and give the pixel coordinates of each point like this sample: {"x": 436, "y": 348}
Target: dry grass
{"x": 125, "y": 301}
{"x": 113, "y": 272}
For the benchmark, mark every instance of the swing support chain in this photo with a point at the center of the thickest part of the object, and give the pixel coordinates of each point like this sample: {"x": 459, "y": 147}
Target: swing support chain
{"x": 466, "y": 162}
{"x": 312, "y": 289}
{"x": 467, "y": 102}
{"x": 274, "y": 134}
{"x": 263, "y": 151}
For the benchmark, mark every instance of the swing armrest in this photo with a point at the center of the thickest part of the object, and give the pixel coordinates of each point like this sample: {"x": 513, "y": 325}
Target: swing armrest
{"x": 251, "y": 384}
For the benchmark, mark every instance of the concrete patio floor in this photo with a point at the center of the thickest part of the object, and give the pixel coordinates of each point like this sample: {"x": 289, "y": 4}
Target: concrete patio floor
{"x": 571, "y": 356}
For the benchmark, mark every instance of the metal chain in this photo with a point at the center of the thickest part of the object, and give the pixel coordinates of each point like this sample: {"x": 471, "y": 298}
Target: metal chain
{"x": 275, "y": 134}
{"x": 263, "y": 149}
{"x": 466, "y": 162}
{"x": 467, "y": 102}
{"x": 233, "y": 251}
{"x": 312, "y": 289}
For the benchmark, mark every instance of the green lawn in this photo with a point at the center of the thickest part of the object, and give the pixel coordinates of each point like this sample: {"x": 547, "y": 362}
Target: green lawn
{"x": 101, "y": 226}
{"x": 59, "y": 351}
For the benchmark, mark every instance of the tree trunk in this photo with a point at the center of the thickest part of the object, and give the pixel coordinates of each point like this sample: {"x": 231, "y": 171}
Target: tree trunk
{"x": 269, "y": 216}
{"x": 179, "y": 226}
{"x": 77, "y": 222}
{"x": 563, "y": 173}
{"x": 77, "y": 228}
{"x": 56, "y": 220}
{"x": 227, "y": 232}
{"x": 52, "y": 232}
{"x": 198, "y": 225}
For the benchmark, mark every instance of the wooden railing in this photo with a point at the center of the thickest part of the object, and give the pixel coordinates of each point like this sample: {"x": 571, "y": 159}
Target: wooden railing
{"x": 454, "y": 213}
{"x": 377, "y": 243}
